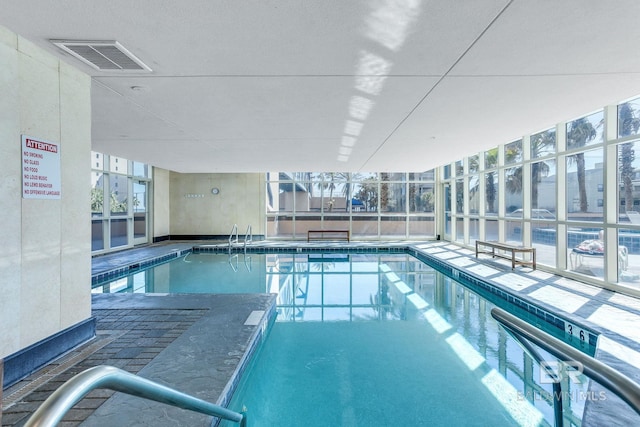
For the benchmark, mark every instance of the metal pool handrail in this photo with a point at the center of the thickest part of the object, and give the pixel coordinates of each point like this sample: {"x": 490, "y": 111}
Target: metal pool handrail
{"x": 248, "y": 238}
{"x": 56, "y": 406}
{"x": 234, "y": 230}
{"x": 623, "y": 386}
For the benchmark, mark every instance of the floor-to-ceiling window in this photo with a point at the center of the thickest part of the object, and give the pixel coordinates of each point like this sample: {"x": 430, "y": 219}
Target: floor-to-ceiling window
{"x": 119, "y": 203}
{"x": 371, "y": 205}
{"x": 572, "y": 191}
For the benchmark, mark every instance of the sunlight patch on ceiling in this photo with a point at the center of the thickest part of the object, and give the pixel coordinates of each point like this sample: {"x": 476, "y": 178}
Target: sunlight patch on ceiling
{"x": 389, "y": 23}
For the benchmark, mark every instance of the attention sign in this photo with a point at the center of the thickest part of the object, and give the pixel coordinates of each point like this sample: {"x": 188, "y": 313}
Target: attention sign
{"x": 40, "y": 169}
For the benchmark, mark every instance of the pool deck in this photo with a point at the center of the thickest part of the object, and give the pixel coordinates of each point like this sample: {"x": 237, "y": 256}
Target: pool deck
{"x": 196, "y": 343}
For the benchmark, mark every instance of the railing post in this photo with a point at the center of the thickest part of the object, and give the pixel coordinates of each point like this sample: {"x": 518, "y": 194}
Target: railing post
{"x": 557, "y": 402}
{"x": 56, "y": 406}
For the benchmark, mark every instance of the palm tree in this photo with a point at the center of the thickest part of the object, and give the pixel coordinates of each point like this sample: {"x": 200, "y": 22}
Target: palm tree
{"x": 368, "y": 194}
{"x": 579, "y": 133}
{"x": 539, "y": 143}
{"x": 628, "y": 124}
{"x": 513, "y": 176}
{"x": 491, "y": 160}
{"x": 328, "y": 180}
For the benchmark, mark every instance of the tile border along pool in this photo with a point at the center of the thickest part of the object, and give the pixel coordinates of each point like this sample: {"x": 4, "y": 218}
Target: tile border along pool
{"x": 555, "y": 300}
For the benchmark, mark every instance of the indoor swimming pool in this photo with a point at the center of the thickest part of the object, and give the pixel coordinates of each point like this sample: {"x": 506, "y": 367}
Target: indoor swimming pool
{"x": 371, "y": 339}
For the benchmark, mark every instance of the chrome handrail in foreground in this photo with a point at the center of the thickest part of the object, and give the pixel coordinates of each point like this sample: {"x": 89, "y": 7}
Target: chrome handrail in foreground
{"x": 56, "y": 406}
{"x": 623, "y": 386}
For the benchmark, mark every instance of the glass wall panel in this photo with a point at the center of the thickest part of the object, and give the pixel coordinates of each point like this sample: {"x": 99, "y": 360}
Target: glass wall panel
{"x": 543, "y": 143}
{"x": 118, "y": 232}
{"x": 119, "y": 202}
{"x": 335, "y": 193}
{"x": 366, "y": 226}
{"x": 118, "y": 165}
{"x": 459, "y": 230}
{"x": 513, "y": 152}
{"x": 421, "y": 197}
{"x": 459, "y": 168}
{"x": 393, "y": 197}
{"x": 139, "y": 209}
{"x": 543, "y": 190}
{"x": 585, "y": 131}
{"x": 474, "y": 230}
{"x": 447, "y": 209}
{"x": 350, "y": 201}
{"x": 97, "y": 194}
{"x": 119, "y": 198}
{"x": 629, "y": 257}
{"x": 585, "y": 186}
{"x": 424, "y": 176}
{"x": 629, "y": 118}
{"x": 586, "y": 251}
{"x": 393, "y": 226}
{"x": 97, "y": 161}
{"x": 422, "y": 227}
{"x": 491, "y": 231}
{"x": 491, "y": 158}
{"x": 387, "y": 176}
{"x": 140, "y": 170}
{"x": 513, "y": 232}
{"x": 629, "y": 183}
{"x": 304, "y": 223}
{"x": 491, "y": 193}
{"x": 459, "y": 196}
{"x": 97, "y": 234}
{"x": 280, "y": 226}
{"x": 474, "y": 164}
{"x": 513, "y": 195}
{"x": 544, "y": 239}
{"x": 336, "y": 222}
{"x": 474, "y": 194}
{"x": 365, "y": 193}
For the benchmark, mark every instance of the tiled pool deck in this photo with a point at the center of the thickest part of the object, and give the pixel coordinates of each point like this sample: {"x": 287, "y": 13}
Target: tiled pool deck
{"x": 174, "y": 338}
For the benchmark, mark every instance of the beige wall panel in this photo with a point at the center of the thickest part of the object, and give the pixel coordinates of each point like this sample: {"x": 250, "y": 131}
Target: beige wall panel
{"x": 40, "y": 118}
{"x": 75, "y": 109}
{"x": 10, "y": 195}
{"x": 161, "y": 203}
{"x": 195, "y": 210}
{"x": 45, "y": 261}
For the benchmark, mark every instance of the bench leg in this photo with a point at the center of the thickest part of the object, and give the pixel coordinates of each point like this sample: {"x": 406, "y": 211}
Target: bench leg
{"x": 534, "y": 259}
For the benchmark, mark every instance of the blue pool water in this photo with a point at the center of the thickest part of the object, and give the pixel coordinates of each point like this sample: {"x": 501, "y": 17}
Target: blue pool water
{"x": 369, "y": 340}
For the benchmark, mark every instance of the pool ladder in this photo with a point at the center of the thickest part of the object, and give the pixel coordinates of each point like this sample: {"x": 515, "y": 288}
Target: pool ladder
{"x": 526, "y": 334}
{"x": 56, "y": 406}
{"x": 233, "y": 238}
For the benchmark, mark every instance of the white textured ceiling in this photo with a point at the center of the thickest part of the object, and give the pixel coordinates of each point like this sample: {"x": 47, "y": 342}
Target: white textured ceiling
{"x": 337, "y": 85}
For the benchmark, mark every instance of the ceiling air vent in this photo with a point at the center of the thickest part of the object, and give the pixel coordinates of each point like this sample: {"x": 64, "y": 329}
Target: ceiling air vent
{"x": 104, "y": 55}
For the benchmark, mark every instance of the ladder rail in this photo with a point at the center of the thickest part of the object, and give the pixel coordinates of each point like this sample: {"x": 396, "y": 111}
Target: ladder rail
{"x": 233, "y": 240}
{"x": 248, "y": 238}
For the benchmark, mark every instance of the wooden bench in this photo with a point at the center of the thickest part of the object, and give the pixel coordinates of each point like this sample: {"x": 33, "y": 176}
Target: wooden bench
{"x": 327, "y": 235}
{"x": 507, "y": 248}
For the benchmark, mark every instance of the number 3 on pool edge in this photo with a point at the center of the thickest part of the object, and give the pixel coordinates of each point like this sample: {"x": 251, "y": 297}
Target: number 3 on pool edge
{"x": 581, "y": 334}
